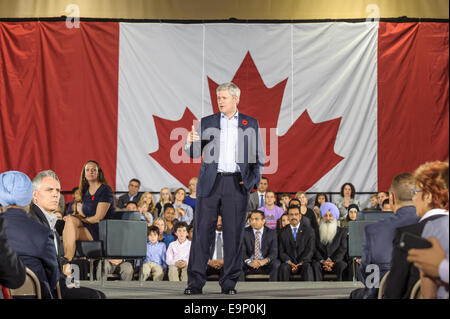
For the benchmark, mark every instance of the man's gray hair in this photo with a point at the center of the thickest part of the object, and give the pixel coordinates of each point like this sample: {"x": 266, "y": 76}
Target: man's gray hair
{"x": 232, "y": 88}
{"x": 41, "y": 175}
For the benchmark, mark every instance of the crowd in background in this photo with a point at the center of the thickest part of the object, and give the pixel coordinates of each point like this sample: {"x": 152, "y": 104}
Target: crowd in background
{"x": 284, "y": 236}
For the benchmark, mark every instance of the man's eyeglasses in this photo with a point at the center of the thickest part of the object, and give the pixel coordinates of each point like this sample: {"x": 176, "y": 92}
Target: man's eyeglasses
{"x": 415, "y": 191}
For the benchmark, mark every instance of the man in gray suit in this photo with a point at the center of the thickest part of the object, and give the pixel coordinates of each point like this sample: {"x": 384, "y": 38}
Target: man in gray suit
{"x": 257, "y": 198}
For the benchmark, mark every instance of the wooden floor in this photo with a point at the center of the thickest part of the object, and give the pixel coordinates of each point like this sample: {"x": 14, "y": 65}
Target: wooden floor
{"x": 254, "y": 290}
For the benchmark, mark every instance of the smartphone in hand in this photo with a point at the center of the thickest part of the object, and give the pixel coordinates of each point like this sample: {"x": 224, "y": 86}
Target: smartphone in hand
{"x": 409, "y": 241}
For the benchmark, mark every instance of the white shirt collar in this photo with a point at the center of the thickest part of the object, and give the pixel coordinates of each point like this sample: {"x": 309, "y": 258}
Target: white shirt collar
{"x": 435, "y": 211}
{"x": 235, "y": 116}
{"x": 260, "y": 230}
{"x": 51, "y": 218}
{"x": 292, "y": 227}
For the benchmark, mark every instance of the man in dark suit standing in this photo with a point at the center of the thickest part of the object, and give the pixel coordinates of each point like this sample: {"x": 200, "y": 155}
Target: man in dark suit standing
{"x": 32, "y": 241}
{"x": 331, "y": 246}
{"x": 296, "y": 247}
{"x": 232, "y": 165}
{"x": 260, "y": 247}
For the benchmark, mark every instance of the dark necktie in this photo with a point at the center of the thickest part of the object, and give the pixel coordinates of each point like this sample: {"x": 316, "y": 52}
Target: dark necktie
{"x": 219, "y": 246}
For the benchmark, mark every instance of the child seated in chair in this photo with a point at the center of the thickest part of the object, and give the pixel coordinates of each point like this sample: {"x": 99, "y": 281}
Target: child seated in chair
{"x": 177, "y": 255}
{"x": 155, "y": 261}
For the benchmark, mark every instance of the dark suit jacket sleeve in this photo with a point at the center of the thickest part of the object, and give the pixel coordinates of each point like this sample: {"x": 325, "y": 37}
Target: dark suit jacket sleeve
{"x": 49, "y": 259}
{"x": 12, "y": 269}
{"x": 122, "y": 201}
{"x": 395, "y": 282}
{"x": 282, "y": 247}
{"x": 257, "y": 166}
{"x": 273, "y": 244}
{"x": 341, "y": 250}
{"x": 308, "y": 252}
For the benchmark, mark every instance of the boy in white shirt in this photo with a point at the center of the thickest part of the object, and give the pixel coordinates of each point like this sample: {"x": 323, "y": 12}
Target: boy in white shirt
{"x": 177, "y": 255}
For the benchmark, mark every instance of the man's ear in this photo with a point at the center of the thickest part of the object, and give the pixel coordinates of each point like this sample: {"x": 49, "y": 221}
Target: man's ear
{"x": 391, "y": 199}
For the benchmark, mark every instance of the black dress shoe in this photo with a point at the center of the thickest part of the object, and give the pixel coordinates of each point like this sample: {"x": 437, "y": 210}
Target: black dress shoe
{"x": 192, "y": 291}
{"x": 230, "y": 291}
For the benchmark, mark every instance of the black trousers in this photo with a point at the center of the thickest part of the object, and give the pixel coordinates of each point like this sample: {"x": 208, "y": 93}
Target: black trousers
{"x": 230, "y": 198}
{"x": 305, "y": 271}
{"x": 268, "y": 269}
{"x": 338, "y": 270}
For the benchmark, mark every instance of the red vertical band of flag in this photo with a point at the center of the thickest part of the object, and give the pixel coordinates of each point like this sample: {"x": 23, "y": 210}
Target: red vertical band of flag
{"x": 58, "y": 98}
{"x": 413, "y": 97}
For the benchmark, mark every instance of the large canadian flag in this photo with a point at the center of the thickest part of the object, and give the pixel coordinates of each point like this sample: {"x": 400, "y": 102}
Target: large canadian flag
{"x": 337, "y": 102}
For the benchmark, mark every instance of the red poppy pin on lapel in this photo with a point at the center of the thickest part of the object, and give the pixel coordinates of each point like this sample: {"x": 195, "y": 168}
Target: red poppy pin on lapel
{"x": 93, "y": 197}
{"x": 244, "y": 122}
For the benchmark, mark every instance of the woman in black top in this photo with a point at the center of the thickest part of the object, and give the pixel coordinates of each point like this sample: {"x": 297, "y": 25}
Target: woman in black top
{"x": 97, "y": 204}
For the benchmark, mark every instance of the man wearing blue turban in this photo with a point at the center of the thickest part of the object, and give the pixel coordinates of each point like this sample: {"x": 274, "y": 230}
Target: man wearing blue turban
{"x": 331, "y": 246}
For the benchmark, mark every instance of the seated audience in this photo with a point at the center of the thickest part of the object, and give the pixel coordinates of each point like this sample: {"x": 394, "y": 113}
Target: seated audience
{"x": 306, "y": 211}
{"x": 433, "y": 287}
{"x": 260, "y": 247}
{"x": 12, "y": 269}
{"x": 120, "y": 267}
{"x": 373, "y": 202}
{"x": 284, "y": 201}
{"x": 282, "y": 222}
{"x": 169, "y": 218}
{"x": 165, "y": 197}
{"x": 192, "y": 197}
{"x": 320, "y": 199}
{"x": 155, "y": 262}
{"x": 271, "y": 211}
{"x": 76, "y": 198}
{"x": 145, "y": 214}
{"x": 163, "y": 235}
{"x": 351, "y": 216}
{"x": 257, "y": 199}
{"x": 347, "y": 197}
{"x": 296, "y": 247}
{"x": 215, "y": 262}
{"x": 16, "y": 193}
{"x": 148, "y": 199}
{"x": 44, "y": 210}
{"x": 331, "y": 247}
{"x": 430, "y": 197}
{"x": 132, "y": 195}
{"x": 185, "y": 215}
{"x": 97, "y": 204}
{"x": 177, "y": 255}
{"x": 131, "y": 207}
{"x": 386, "y": 207}
{"x": 381, "y": 196}
{"x": 433, "y": 262}
{"x": 377, "y": 246}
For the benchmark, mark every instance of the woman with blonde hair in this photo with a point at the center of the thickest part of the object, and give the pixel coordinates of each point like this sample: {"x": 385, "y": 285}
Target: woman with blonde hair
{"x": 147, "y": 198}
{"x": 165, "y": 197}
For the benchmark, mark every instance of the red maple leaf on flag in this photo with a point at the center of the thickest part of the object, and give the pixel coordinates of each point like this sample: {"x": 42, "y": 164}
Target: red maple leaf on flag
{"x": 303, "y": 155}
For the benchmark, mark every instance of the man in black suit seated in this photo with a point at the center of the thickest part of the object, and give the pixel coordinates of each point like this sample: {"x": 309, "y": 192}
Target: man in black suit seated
{"x": 133, "y": 194}
{"x": 331, "y": 246}
{"x": 260, "y": 247}
{"x": 296, "y": 247}
{"x": 215, "y": 263}
{"x": 46, "y": 194}
{"x": 32, "y": 241}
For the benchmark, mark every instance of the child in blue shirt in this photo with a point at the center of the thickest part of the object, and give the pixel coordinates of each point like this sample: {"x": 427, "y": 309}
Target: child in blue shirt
{"x": 155, "y": 261}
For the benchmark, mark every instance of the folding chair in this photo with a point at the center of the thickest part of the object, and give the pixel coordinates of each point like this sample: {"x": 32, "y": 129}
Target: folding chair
{"x": 355, "y": 240}
{"x": 30, "y": 288}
